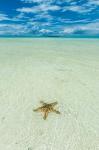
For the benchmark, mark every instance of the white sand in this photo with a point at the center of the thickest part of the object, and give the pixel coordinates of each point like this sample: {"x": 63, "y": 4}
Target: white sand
{"x": 63, "y": 70}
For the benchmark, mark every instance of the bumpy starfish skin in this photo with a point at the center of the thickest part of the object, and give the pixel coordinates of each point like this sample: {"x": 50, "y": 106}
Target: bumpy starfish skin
{"x": 47, "y": 108}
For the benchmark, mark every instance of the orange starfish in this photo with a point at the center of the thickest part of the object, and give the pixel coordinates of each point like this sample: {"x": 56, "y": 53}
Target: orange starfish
{"x": 47, "y": 108}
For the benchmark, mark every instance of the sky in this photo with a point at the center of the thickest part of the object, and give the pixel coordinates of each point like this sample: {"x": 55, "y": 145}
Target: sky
{"x": 49, "y": 18}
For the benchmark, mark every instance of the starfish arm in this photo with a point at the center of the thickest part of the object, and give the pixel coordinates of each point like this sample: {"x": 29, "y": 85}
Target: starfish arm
{"x": 56, "y": 111}
{"x": 43, "y": 103}
{"x": 45, "y": 115}
{"x": 37, "y": 109}
{"x": 53, "y": 104}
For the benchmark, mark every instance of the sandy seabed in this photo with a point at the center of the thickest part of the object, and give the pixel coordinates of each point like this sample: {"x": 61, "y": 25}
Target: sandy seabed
{"x": 62, "y": 70}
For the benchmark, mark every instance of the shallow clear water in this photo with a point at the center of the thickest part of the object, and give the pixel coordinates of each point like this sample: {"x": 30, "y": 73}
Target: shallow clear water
{"x": 63, "y": 70}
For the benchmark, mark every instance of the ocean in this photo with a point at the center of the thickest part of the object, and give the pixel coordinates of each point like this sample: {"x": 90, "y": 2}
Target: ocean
{"x": 65, "y": 70}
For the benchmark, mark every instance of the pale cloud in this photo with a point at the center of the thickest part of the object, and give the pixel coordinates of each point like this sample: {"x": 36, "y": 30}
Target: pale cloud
{"x": 26, "y": 10}
{"x": 34, "y": 1}
{"x": 44, "y": 15}
{"x": 69, "y": 21}
{"x": 94, "y": 2}
{"x": 87, "y": 7}
{"x": 3, "y": 17}
{"x": 48, "y": 1}
{"x": 90, "y": 28}
{"x": 45, "y": 31}
{"x": 79, "y": 9}
{"x": 37, "y": 17}
{"x": 69, "y": 30}
{"x": 35, "y": 25}
{"x": 39, "y": 8}
{"x": 13, "y": 29}
{"x": 19, "y": 17}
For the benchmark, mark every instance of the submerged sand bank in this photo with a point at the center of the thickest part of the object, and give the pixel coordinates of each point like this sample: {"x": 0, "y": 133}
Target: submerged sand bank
{"x": 60, "y": 70}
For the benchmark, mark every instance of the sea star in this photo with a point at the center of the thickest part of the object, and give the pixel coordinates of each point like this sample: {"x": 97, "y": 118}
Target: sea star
{"x": 46, "y": 108}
